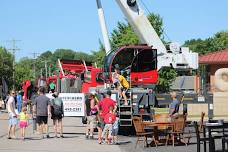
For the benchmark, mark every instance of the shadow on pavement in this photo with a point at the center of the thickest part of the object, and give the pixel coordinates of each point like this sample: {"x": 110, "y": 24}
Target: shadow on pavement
{"x": 73, "y": 126}
{"x": 73, "y": 133}
{"x": 123, "y": 142}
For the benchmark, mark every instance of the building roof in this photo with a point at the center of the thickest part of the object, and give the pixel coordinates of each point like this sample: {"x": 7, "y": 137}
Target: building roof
{"x": 219, "y": 57}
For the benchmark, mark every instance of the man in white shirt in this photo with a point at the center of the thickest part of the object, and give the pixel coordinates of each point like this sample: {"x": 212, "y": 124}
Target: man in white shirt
{"x": 12, "y": 115}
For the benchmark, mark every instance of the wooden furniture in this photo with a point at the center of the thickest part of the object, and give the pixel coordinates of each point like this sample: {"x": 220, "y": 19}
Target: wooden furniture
{"x": 199, "y": 138}
{"x": 162, "y": 120}
{"x": 159, "y": 128}
{"x": 141, "y": 134}
{"x": 201, "y": 122}
{"x": 177, "y": 131}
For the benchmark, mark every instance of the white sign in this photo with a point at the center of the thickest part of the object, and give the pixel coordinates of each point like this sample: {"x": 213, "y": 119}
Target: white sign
{"x": 211, "y": 106}
{"x": 73, "y": 103}
{"x": 201, "y": 99}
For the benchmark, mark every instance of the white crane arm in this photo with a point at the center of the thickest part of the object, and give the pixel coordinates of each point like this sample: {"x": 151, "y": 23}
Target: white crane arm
{"x": 141, "y": 25}
{"x": 177, "y": 57}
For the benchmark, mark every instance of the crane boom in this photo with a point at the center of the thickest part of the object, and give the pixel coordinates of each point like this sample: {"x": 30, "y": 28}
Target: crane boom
{"x": 179, "y": 58}
{"x": 103, "y": 27}
{"x": 141, "y": 25}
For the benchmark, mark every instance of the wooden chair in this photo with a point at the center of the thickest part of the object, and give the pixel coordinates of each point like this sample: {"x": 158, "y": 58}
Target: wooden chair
{"x": 177, "y": 130}
{"x": 201, "y": 122}
{"x": 141, "y": 134}
{"x": 161, "y": 118}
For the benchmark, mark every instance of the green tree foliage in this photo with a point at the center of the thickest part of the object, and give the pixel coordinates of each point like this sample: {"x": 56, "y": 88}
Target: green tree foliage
{"x": 166, "y": 76}
{"x": 99, "y": 55}
{"x": 63, "y": 54}
{"x": 6, "y": 66}
{"x": 123, "y": 35}
{"x": 83, "y": 56}
{"x": 157, "y": 22}
{"x": 198, "y": 45}
{"x": 218, "y": 42}
{"x": 23, "y": 71}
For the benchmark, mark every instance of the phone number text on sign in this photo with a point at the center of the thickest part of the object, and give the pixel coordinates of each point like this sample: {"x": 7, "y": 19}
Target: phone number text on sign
{"x": 73, "y": 104}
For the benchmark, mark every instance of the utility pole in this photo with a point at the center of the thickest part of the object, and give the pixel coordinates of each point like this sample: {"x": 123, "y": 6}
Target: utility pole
{"x": 49, "y": 70}
{"x": 41, "y": 72}
{"x": 35, "y": 54}
{"x": 46, "y": 71}
{"x": 14, "y": 49}
{"x": 46, "y": 67}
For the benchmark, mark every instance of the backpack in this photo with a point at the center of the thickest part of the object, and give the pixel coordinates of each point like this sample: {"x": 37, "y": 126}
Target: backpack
{"x": 57, "y": 109}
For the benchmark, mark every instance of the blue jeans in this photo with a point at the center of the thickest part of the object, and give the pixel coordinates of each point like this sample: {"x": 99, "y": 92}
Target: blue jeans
{"x": 19, "y": 107}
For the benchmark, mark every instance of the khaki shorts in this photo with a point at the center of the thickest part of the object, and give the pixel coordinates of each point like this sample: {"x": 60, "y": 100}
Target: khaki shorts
{"x": 91, "y": 121}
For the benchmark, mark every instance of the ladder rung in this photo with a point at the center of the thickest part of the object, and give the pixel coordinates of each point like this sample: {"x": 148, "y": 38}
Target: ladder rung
{"x": 125, "y": 106}
{"x": 125, "y": 113}
{"x": 125, "y": 119}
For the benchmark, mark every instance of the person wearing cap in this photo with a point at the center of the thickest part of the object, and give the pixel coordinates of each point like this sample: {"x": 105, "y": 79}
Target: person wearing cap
{"x": 121, "y": 83}
{"x": 104, "y": 106}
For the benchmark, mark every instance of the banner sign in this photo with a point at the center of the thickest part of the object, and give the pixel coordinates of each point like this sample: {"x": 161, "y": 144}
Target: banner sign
{"x": 73, "y": 103}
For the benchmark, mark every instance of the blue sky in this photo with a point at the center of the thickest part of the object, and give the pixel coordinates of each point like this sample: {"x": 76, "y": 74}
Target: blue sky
{"x": 43, "y": 25}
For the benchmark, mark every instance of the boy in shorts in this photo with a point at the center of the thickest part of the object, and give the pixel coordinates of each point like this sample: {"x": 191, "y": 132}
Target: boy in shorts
{"x": 109, "y": 120}
{"x": 115, "y": 129}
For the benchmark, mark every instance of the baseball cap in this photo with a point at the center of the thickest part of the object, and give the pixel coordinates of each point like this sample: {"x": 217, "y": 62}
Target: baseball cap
{"x": 109, "y": 92}
{"x": 116, "y": 66}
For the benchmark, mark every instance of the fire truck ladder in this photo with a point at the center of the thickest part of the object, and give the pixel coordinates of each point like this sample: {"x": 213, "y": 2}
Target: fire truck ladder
{"x": 125, "y": 111}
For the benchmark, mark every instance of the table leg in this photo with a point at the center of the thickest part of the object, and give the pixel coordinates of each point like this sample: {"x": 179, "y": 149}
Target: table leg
{"x": 211, "y": 142}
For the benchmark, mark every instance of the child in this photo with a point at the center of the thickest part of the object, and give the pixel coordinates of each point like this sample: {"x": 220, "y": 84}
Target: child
{"x": 23, "y": 116}
{"x": 109, "y": 120}
{"x": 115, "y": 129}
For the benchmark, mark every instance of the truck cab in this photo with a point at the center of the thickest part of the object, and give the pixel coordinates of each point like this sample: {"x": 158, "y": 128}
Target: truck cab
{"x": 138, "y": 63}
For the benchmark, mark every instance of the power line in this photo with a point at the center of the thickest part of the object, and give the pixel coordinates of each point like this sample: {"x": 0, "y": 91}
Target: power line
{"x": 144, "y": 5}
{"x": 148, "y": 11}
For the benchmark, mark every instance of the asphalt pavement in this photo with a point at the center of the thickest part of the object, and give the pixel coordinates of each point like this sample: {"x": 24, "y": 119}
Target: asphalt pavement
{"x": 75, "y": 141}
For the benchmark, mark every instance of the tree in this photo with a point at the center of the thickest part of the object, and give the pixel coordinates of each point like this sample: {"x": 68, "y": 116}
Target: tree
{"x": 123, "y": 35}
{"x": 63, "y": 54}
{"x": 6, "y": 65}
{"x": 83, "y": 56}
{"x": 218, "y": 42}
{"x": 166, "y": 76}
{"x": 157, "y": 23}
{"x": 23, "y": 71}
{"x": 99, "y": 55}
